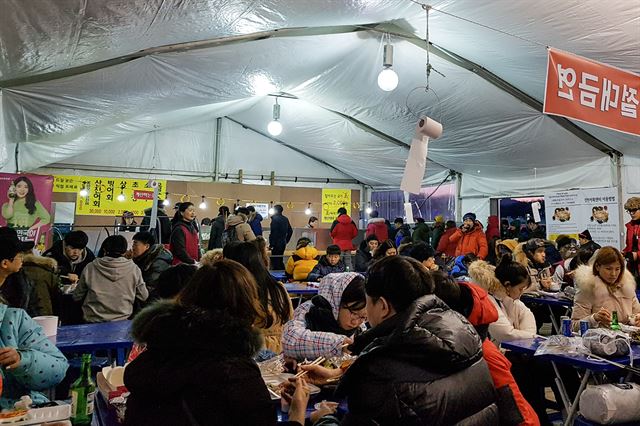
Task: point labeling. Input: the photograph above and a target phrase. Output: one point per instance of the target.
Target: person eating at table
(326, 324)
(603, 288)
(72, 255)
(364, 255)
(420, 363)
(197, 368)
(30, 362)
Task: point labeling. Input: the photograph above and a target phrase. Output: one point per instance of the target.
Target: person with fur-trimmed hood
(470, 238)
(605, 287)
(330, 263)
(532, 255)
(46, 283)
(238, 221)
(377, 226)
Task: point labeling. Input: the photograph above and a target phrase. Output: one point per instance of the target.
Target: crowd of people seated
(421, 315)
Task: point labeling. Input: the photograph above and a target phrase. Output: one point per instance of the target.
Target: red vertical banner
(26, 205)
(594, 93)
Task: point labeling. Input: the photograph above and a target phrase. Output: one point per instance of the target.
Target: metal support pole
(216, 149)
(616, 172)
(458, 197)
(273, 178)
(154, 210)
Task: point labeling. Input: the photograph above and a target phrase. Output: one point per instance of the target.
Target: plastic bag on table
(606, 343)
(562, 345)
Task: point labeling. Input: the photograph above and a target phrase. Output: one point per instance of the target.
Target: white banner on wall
(571, 212)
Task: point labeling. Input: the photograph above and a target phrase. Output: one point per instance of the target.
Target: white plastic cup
(49, 324)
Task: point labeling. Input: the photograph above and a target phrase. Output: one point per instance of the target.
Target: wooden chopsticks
(317, 361)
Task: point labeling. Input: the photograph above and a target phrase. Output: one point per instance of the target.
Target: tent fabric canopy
(82, 82)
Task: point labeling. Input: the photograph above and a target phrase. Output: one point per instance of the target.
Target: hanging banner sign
(332, 200)
(592, 92)
(571, 212)
(26, 206)
(103, 192)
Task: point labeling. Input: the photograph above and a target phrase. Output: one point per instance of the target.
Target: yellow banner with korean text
(332, 200)
(109, 196)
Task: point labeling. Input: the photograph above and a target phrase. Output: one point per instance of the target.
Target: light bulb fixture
(121, 197)
(203, 203)
(307, 211)
(387, 79)
(272, 211)
(275, 127)
(368, 210)
(84, 191)
(166, 201)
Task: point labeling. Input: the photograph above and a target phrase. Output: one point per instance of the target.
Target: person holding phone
(22, 210)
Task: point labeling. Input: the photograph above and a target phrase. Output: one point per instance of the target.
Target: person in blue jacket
(255, 220)
(30, 361)
(330, 263)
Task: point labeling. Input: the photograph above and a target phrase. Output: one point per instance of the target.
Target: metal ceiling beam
(298, 150)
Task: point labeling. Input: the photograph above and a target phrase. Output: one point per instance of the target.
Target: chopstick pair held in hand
(317, 361)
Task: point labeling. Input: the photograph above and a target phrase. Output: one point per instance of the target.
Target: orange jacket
(473, 241)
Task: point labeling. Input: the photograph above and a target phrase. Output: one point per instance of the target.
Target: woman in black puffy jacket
(420, 364)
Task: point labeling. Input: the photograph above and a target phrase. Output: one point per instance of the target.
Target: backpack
(229, 235)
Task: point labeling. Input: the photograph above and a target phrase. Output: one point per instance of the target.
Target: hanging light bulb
(368, 210)
(307, 211)
(84, 191)
(203, 203)
(121, 197)
(387, 79)
(272, 211)
(166, 201)
(275, 127)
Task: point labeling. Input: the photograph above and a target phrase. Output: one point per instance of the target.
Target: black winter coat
(217, 229)
(421, 367)
(197, 363)
(163, 235)
(280, 230)
(18, 291)
(363, 257)
(154, 262)
(323, 268)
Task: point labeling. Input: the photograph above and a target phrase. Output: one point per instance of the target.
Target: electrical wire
(428, 7)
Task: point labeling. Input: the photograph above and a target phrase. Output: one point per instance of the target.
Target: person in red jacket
(470, 238)
(344, 230)
(473, 302)
(493, 228)
(632, 248)
(445, 246)
(377, 227)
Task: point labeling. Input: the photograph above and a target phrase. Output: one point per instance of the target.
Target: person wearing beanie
(110, 286)
(330, 263)
(587, 242)
(377, 226)
(72, 256)
(469, 238)
(567, 246)
(425, 254)
(364, 255)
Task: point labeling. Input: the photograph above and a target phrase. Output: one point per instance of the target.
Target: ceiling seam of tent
(309, 31)
(499, 83)
(299, 151)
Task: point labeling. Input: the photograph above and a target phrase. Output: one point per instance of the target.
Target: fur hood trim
(41, 261)
(167, 325)
(586, 281)
(484, 274)
(376, 220)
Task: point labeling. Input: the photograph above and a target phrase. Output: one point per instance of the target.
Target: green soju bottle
(614, 321)
(82, 392)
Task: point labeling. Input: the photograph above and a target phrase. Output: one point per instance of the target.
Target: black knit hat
(333, 249)
(586, 235)
(76, 239)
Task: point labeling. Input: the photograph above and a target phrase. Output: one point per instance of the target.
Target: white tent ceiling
(86, 81)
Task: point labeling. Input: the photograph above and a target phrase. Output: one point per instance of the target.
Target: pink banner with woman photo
(26, 205)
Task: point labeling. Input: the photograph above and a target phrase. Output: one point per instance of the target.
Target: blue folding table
(549, 302)
(94, 337)
(590, 365)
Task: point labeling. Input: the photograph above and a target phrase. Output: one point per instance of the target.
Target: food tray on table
(273, 381)
(36, 416)
(632, 331)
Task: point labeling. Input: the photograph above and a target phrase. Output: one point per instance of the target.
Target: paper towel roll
(428, 127)
(49, 324)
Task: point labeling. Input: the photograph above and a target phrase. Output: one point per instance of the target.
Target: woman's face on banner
(22, 189)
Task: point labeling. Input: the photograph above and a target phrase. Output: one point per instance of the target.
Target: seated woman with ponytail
(506, 283)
